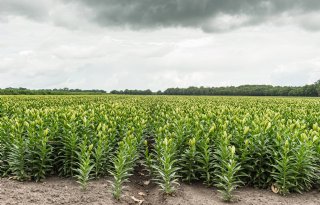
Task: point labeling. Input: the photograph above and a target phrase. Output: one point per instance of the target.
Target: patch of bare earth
(66, 191)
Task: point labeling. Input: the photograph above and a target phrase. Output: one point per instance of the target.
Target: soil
(56, 190)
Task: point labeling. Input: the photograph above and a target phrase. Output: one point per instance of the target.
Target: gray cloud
(86, 44)
(35, 9)
(210, 15)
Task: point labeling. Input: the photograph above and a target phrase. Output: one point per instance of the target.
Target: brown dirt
(66, 191)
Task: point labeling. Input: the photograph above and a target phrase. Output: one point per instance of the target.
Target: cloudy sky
(156, 44)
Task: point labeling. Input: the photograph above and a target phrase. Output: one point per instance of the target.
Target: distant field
(223, 142)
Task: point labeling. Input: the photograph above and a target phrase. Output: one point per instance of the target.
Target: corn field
(223, 142)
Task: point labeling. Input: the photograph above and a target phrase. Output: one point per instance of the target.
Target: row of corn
(224, 142)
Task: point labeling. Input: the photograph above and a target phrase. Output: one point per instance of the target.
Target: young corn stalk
(101, 153)
(227, 169)
(17, 159)
(246, 161)
(5, 146)
(189, 161)
(296, 165)
(85, 165)
(2, 159)
(305, 165)
(315, 132)
(284, 172)
(124, 162)
(165, 166)
(68, 154)
(42, 153)
(205, 167)
(262, 155)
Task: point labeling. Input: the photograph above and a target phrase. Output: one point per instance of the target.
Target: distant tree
(317, 87)
(65, 91)
(310, 90)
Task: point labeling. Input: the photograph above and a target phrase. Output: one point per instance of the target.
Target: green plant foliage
(101, 152)
(227, 169)
(124, 162)
(224, 142)
(284, 173)
(165, 166)
(17, 159)
(85, 165)
(305, 164)
(189, 160)
(42, 152)
(205, 160)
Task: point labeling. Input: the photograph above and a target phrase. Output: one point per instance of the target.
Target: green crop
(224, 142)
(124, 163)
(85, 165)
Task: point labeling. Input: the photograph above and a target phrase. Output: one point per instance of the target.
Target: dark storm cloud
(142, 14)
(209, 15)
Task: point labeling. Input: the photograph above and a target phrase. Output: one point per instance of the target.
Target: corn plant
(284, 172)
(205, 160)
(165, 166)
(17, 159)
(271, 142)
(42, 152)
(85, 165)
(189, 160)
(305, 165)
(5, 146)
(123, 162)
(227, 169)
(262, 155)
(295, 168)
(101, 153)
(68, 153)
(246, 161)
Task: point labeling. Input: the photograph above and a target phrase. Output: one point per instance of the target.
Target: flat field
(159, 150)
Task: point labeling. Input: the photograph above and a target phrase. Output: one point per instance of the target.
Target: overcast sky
(156, 44)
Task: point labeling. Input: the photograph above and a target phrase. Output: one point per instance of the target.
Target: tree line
(312, 90)
(62, 91)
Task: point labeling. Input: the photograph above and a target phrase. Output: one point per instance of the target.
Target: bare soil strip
(66, 191)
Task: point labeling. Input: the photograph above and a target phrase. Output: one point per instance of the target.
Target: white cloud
(226, 22)
(301, 72)
(67, 50)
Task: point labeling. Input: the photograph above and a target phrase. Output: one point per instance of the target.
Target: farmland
(221, 142)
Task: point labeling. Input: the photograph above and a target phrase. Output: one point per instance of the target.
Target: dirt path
(67, 191)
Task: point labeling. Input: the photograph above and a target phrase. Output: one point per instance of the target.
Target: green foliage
(284, 172)
(124, 162)
(295, 168)
(85, 165)
(270, 142)
(227, 169)
(205, 159)
(42, 153)
(17, 159)
(165, 166)
(5, 147)
(189, 161)
(100, 154)
(242, 90)
(68, 153)
(305, 165)
(262, 160)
